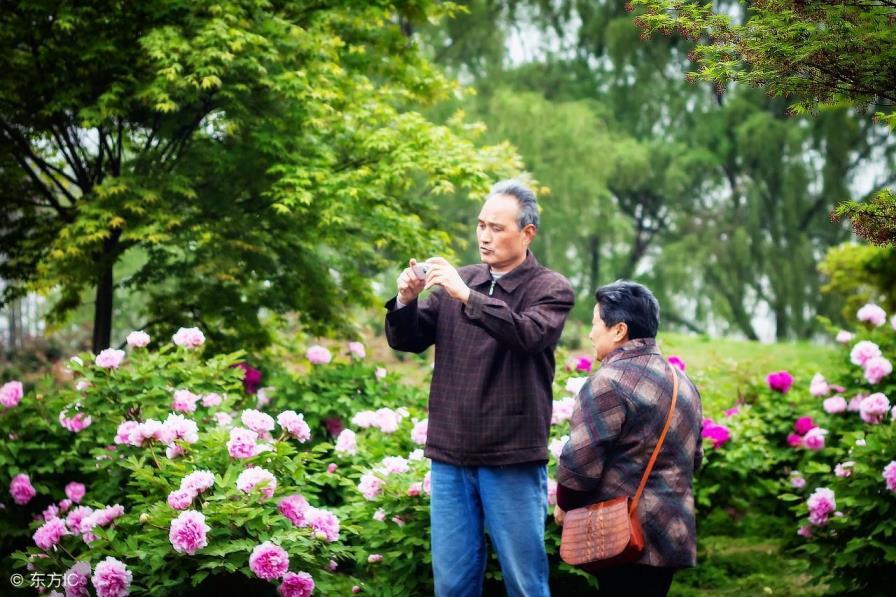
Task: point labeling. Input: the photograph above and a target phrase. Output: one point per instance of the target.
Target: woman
(618, 418)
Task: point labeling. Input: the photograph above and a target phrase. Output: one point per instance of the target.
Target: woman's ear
(621, 334)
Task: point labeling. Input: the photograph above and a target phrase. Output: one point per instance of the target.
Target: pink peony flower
(222, 419)
(51, 511)
(418, 433)
(188, 532)
(331, 468)
(346, 443)
(64, 505)
(110, 358)
(21, 489)
(394, 464)
(821, 504)
(296, 585)
(797, 481)
(398, 520)
(583, 364)
(50, 533)
(76, 580)
(268, 561)
(834, 405)
(889, 473)
(805, 531)
(76, 517)
(803, 425)
(552, 492)
(294, 424)
(387, 420)
(414, 489)
(732, 411)
(370, 486)
(210, 400)
(379, 515)
(293, 507)
(257, 476)
(844, 337)
(874, 408)
(323, 523)
(178, 427)
(877, 368)
(357, 350)
(374, 558)
(893, 322)
(794, 440)
(184, 401)
(814, 439)
(780, 381)
(718, 434)
(126, 429)
(111, 578)
(427, 483)
(855, 403)
(75, 491)
(819, 386)
(844, 469)
(677, 362)
(76, 423)
(318, 355)
(180, 499)
(562, 410)
(242, 443)
(189, 338)
(863, 351)
(257, 421)
(574, 385)
(11, 394)
(198, 481)
(872, 314)
(380, 373)
(138, 339)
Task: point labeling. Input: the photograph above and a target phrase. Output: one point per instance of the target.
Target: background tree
(820, 54)
(250, 154)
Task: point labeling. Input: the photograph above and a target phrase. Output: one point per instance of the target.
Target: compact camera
(421, 269)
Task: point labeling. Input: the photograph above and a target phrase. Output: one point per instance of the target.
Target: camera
(421, 269)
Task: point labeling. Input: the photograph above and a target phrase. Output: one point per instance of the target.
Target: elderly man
(495, 326)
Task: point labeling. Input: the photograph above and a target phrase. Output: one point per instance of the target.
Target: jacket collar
(631, 349)
(512, 279)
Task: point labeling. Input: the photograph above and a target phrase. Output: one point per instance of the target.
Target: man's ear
(529, 232)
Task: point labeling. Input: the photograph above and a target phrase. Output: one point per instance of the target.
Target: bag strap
(656, 450)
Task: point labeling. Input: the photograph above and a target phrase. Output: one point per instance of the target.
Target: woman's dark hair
(632, 304)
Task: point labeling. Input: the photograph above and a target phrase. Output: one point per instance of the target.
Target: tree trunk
(14, 326)
(594, 246)
(102, 313)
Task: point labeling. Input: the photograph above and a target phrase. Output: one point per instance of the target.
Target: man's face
(502, 245)
(606, 339)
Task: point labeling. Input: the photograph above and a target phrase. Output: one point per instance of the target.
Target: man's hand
(559, 515)
(409, 285)
(444, 274)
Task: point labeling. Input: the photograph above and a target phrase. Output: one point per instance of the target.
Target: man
(495, 327)
(616, 423)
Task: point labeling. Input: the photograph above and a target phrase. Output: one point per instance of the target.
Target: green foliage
(861, 274)
(259, 155)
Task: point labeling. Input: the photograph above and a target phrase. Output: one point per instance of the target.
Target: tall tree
(818, 53)
(259, 154)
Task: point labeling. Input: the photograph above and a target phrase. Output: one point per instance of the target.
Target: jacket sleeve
(412, 328)
(597, 419)
(532, 330)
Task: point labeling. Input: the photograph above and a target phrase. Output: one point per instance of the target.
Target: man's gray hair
(526, 197)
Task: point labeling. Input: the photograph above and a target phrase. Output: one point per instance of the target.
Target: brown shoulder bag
(608, 533)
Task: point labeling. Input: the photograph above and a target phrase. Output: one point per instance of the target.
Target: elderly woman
(618, 418)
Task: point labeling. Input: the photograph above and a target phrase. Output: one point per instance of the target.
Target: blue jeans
(510, 502)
